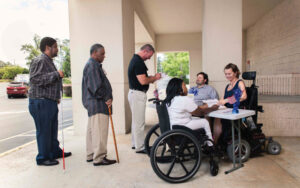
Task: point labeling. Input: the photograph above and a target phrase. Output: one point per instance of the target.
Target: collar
(46, 56)
(96, 62)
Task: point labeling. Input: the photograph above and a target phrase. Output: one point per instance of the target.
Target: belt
(145, 91)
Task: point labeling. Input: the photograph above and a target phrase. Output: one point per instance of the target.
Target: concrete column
(110, 23)
(222, 39)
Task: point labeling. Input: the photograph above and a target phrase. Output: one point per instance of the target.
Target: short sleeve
(140, 68)
(214, 94)
(189, 104)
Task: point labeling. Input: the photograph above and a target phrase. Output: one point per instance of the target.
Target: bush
(10, 72)
(67, 80)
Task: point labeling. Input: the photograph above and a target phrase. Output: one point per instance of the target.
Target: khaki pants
(96, 137)
(137, 101)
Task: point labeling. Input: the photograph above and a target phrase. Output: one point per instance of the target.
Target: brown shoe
(105, 162)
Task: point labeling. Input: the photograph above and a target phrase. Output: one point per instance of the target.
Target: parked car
(17, 89)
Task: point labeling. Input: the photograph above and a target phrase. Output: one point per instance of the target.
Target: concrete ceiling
(185, 16)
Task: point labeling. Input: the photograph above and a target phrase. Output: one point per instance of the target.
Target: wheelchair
(253, 140)
(176, 154)
(251, 130)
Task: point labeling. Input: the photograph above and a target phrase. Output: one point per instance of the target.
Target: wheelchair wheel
(176, 156)
(150, 138)
(245, 151)
(273, 148)
(214, 168)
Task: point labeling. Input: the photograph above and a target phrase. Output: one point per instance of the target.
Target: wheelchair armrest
(260, 108)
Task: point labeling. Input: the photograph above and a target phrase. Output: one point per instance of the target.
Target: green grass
(5, 80)
(66, 97)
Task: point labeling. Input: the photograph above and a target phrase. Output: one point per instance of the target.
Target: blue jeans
(45, 115)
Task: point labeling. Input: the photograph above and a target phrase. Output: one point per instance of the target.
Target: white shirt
(180, 110)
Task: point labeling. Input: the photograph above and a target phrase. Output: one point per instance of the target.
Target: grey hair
(95, 47)
(148, 47)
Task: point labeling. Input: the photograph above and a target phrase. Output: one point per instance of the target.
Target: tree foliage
(10, 72)
(32, 51)
(3, 64)
(63, 59)
(176, 65)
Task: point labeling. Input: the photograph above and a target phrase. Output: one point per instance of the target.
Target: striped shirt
(96, 89)
(45, 81)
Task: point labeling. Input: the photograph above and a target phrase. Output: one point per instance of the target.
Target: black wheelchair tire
(214, 168)
(273, 148)
(246, 151)
(158, 142)
(152, 131)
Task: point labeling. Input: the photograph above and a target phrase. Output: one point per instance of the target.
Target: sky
(21, 19)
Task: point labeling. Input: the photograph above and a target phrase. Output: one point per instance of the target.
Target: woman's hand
(231, 100)
(222, 102)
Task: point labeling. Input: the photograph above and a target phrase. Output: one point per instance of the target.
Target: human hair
(234, 68)
(148, 47)
(46, 41)
(95, 47)
(174, 89)
(205, 76)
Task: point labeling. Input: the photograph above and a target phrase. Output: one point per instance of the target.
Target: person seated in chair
(181, 108)
(203, 91)
(232, 74)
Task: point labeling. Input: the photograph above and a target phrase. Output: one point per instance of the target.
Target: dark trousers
(45, 115)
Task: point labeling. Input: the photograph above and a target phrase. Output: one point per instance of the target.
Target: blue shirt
(204, 93)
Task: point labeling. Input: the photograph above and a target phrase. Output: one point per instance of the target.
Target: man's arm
(144, 80)
(39, 78)
(214, 94)
(94, 82)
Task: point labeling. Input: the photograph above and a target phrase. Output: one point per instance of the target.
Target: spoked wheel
(150, 138)
(245, 151)
(176, 156)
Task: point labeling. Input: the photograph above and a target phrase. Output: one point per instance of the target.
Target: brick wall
(273, 43)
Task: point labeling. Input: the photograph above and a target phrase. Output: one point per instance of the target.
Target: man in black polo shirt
(138, 86)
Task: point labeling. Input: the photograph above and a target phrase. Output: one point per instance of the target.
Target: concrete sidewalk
(18, 169)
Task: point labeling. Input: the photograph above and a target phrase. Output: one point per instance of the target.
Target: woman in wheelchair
(181, 108)
(232, 74)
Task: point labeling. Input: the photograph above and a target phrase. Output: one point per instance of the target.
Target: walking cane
(62, 129)
(113, 131)
(62, 122)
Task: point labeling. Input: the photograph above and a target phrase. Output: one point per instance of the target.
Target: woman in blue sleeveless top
(232, 74)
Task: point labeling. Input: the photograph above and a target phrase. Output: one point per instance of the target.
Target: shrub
(9, 72)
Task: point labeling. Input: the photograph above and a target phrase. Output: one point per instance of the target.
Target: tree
(61, 62)
(10, 72)
(32, 50)
(65, 57)
(176, 65)
(3, 64)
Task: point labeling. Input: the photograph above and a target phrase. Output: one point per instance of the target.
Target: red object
(16, 89)
(63, 154)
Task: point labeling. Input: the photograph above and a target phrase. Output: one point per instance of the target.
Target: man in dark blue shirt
(138, 86)
(96, 98)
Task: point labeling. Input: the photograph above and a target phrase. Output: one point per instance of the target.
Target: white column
(110, 23)
(222, 39)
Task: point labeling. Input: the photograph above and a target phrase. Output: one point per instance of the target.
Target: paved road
(16, 124)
